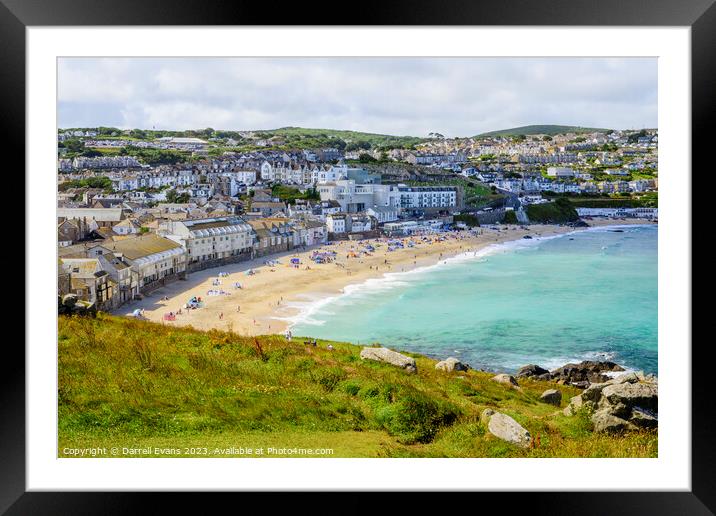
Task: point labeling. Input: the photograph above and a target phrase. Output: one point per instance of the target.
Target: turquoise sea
(585, 295)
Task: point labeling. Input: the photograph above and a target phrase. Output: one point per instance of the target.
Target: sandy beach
(269, 295)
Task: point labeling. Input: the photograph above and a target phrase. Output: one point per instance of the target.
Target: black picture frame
(16, 15)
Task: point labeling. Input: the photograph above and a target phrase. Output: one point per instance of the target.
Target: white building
(384, 214)
(560, 172)
(427, 197)
(336, 223)
(211, 238)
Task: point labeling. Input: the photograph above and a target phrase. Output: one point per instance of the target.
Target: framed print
(423, 253)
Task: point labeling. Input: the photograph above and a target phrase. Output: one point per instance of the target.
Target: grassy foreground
(131, 388)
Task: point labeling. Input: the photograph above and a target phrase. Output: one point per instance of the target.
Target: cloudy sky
(401, 96)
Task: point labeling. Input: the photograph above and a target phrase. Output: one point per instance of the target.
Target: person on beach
(221, 315)
(238, 308)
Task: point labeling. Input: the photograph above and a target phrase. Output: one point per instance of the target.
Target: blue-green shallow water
(587, 295)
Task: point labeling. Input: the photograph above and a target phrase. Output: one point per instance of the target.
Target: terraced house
(213, 241)
(154, 260)
(273, 235)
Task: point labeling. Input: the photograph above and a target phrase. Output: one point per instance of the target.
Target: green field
(131, 384)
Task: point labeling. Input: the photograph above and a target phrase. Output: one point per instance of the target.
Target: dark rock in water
(584, 373)
(527, 237)
(534, 371)
(617, 230)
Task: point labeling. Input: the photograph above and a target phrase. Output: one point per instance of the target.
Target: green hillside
(549, 130)
(297, 134)
(129, 383)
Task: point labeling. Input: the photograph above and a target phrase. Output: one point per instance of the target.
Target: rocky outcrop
(389, 356)
(504, 427)
(580, 375)
(584, 373)
(506, 379)
(533, 371)
(620, 404)
(552, 396)
(606, 422)
(451, 364)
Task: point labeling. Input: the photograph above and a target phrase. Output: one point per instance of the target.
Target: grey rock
(605, 422)
(644, 418)
(532, 370)
(451, 364)
(593, 392)
(619, 410)
(506, 379)
(552, 396)
(643, 395)
(389, 356)
(504, 427)
(584, 373)
(625, 378)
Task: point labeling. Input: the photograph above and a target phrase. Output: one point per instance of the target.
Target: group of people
(219, 292)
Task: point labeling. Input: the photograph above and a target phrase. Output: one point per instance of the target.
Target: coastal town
(141, 212)
(357, 257)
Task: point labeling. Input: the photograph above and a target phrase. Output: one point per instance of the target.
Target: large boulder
(533, 370)
(552, 396)
(623, 403)
(389, 356)
(584, 373)
(451, 364)
(593, 392)
(643, 418)
(506, 379)
(643, 395)
(606, 422)
(504, 427)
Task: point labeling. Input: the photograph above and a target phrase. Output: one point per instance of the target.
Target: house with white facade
(384, 214)
(560, 172)
(211, 239)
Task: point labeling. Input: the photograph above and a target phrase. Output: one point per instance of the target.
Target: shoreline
(278, 296)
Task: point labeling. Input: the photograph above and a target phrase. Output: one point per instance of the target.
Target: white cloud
(455, 96)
